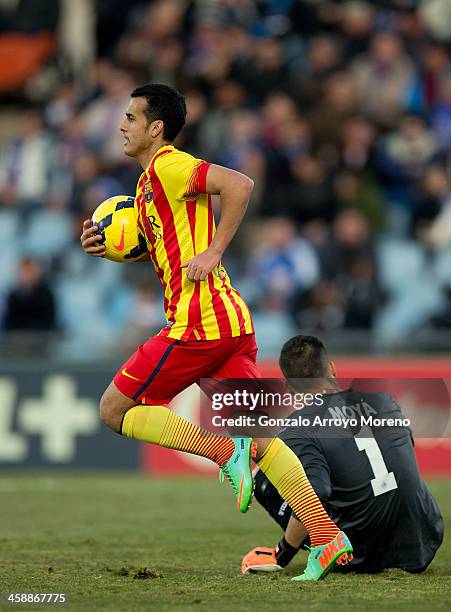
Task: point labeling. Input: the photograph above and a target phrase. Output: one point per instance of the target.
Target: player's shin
(286, 473)
(159, 425)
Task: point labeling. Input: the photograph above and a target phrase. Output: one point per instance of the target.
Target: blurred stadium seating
(330, 107)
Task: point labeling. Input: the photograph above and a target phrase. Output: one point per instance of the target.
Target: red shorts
(162, 367)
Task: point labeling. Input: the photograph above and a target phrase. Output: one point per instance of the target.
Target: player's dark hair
(166, 104)
(304, 357)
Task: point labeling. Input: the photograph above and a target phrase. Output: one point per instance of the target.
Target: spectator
(434, 65)
(382, 77)
(196, 106)
(357, 143)
(265, 72)
(244, 133)
(319, 309)
(349, 242)
(360, 191)
(30, 306)
(434, 194)
(362, 294)
(439, 234)
(443, 319)
(145, 319)
(91, 184)
(441, 113)
(282, 265)
(311, 195)
(227, 98)
(25, 166)
(435, 15)
(102, 117)
(324, 58)
(338, 105)
(357, 23)
(401, 159)
(278, 112)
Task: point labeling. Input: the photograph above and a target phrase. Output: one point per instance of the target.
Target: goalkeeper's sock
(286, 473)
(159, 425)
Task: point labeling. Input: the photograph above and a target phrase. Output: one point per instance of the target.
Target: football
(117, 222)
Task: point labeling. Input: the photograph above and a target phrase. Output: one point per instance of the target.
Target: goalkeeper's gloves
(265, 559)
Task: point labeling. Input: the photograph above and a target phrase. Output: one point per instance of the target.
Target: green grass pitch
(127, 542)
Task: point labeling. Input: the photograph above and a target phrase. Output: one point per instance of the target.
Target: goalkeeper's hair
(166, 104)
(304, 357)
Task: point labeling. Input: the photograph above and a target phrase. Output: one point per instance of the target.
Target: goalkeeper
(367, 480)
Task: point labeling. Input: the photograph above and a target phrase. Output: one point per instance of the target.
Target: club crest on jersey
(148, 192)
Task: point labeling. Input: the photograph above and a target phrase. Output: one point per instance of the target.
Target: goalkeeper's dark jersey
(368, 480)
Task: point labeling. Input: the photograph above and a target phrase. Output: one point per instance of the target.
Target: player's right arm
(234, 190)
(90, 241)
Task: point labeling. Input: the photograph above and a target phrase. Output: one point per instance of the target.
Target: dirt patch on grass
(142, 573)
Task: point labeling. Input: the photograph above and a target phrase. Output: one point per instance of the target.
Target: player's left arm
(234, 190)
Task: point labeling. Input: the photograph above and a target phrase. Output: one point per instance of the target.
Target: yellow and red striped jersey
(176, 217)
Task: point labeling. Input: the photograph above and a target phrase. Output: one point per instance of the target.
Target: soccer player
(367, 479)
(209, 331)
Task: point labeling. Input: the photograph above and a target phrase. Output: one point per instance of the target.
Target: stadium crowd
(339, 111)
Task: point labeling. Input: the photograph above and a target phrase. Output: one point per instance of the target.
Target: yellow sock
(142, 424)
(159, 425)
(286, 473)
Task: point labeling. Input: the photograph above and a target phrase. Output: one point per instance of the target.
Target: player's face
(135, 128)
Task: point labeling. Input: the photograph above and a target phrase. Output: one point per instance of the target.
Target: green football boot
(322, 559)
(238, 471)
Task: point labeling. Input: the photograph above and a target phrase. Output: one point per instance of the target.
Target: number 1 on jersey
(383, 480)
